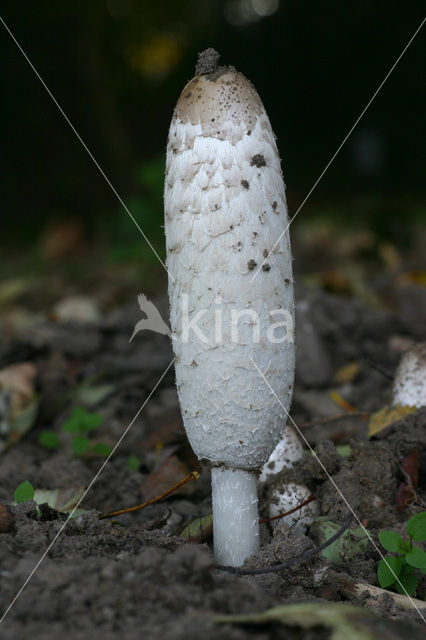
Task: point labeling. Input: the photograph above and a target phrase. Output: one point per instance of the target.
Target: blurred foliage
(117, 68)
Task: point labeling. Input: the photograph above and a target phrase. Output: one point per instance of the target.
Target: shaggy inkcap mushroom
(409, 388)
(225, 208)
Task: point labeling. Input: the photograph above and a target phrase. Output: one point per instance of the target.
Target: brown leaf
(19, 381)
(6, 519)
(168, 431)
(342, 403)
(410, 465)
(162, 479)
(198, 530)
(404, 496)
(61, 240)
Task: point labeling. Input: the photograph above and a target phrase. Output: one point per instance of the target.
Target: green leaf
(353, 541)
(406, 570)
(133, 462)
(72, 425)
(417, 558)
(81, 421)
(196, 528)
(24, 492)
(388, 570)
(92, 421)
(416, 527)
(80, 444)
(101, 449)
(344, 450)
(409, 583)
(48, 439)
(390, 540)
(406, 546)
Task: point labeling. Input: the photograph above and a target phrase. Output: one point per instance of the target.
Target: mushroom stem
(235, 515)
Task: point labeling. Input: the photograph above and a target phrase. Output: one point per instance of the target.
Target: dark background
(117, 67)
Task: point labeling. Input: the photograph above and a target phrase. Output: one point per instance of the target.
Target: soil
(134, 575)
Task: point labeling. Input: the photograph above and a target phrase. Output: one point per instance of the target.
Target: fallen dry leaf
(342, 403)
(199, 530)
(61, 240)
(387, 416)
(404, 496)
(162, 479)
(347, 373)
(410, 465)
(6, 519)
(19, 381)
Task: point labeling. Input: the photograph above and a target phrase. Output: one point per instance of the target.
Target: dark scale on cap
(258, 161)
(251, 264)
(266, 267)
(245, 184)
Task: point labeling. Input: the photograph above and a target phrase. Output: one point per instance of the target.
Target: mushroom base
(235, 515)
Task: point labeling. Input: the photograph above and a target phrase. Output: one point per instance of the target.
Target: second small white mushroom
(289, 495)
(287, 452)
(286, 498)
(409, 387)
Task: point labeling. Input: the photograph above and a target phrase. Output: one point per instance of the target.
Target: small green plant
(398, 570)
(79, 424)
(82, 421)
(48, 439)
(24, 492)
(133, 462)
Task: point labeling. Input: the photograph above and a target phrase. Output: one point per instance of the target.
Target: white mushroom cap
(225, 209)
(288, 451)
(409, 388)
(288, 497)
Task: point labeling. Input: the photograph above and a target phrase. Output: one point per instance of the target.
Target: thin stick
(355, 588)
(296, 560)
(194, 475)
(287, 513)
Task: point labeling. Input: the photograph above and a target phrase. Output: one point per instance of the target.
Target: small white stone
(77, 309)
(378, 502)
(288, 497)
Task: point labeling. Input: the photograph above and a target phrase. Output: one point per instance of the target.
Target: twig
(356, 588)
(296, 560)
(287, 513)
(363, 415)
(194, 475)
(376, 367)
